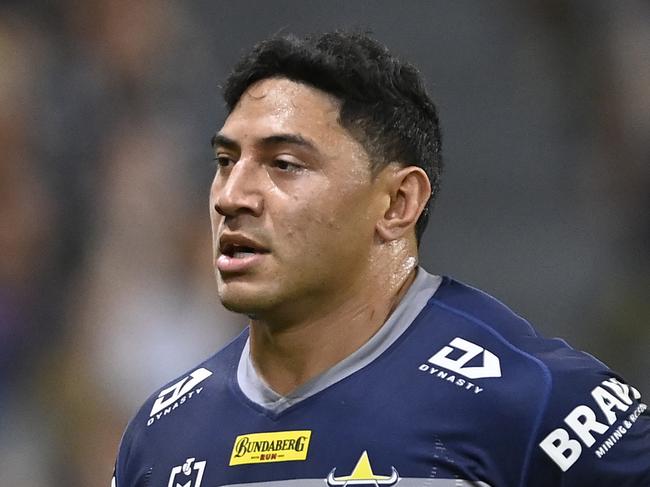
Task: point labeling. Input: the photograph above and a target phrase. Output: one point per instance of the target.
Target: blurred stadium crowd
(106, 109)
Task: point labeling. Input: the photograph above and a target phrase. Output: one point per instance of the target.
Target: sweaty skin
(336, 246)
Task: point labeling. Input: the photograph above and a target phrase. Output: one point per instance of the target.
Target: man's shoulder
(577, 409)
(479, 339)
(204, 379)
(164, 415)
(477, 317)
(482, 312)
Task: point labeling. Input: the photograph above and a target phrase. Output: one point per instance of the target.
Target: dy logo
(187, 475)
(489, 368)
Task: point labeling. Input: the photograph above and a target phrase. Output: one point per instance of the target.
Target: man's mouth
(238, 253)
(234, 243)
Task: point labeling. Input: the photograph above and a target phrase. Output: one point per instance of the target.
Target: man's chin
(250, 304)
(240, 307)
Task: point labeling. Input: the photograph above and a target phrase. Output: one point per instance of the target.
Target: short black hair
(384, 104)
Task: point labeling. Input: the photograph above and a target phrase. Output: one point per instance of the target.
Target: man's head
(384, 104)
(326, 164)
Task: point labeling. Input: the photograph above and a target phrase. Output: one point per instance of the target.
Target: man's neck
(287, 357)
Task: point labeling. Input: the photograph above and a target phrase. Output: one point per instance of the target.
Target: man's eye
(284, 165)
(223, 161)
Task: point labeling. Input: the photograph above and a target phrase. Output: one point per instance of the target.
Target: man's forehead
(283, 97)
(281, 106)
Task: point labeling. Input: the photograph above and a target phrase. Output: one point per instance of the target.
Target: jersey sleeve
(120, 477)
(132, 467)
(595, 432)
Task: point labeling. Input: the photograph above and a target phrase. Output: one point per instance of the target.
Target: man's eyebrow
(292, 139)
(220, 140)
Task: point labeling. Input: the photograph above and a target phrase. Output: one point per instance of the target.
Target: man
(359, 367)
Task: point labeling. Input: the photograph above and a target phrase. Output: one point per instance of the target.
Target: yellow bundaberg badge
(277, 446)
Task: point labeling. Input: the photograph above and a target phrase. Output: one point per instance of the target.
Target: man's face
(293, 204)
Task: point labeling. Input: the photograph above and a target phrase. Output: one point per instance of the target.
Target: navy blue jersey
(454, 390)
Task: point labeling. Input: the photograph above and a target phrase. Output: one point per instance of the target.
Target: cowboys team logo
(189, 474)
(362, 474)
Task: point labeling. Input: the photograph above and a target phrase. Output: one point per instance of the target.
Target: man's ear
(408, 190)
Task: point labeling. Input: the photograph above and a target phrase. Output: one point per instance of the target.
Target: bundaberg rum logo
(278, 446)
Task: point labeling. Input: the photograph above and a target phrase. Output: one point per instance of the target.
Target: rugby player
(359, 367)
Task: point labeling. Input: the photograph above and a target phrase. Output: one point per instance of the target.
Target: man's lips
(231, 243)
(238, 252)
(238, 263)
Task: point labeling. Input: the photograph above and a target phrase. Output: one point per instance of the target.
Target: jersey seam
(545, 370)
(241, 397)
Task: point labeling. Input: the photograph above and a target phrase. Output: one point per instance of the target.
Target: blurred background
(106, 112)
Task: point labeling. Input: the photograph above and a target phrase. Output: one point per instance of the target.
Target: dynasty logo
(177, 394)
(457, 359)
(278, 446)
(362, 474)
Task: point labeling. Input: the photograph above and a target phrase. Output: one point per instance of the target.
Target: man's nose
(239, 190)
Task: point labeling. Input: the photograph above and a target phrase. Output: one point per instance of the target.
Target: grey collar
(254, 387)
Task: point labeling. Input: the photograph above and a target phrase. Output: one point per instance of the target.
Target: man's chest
(334, 441)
